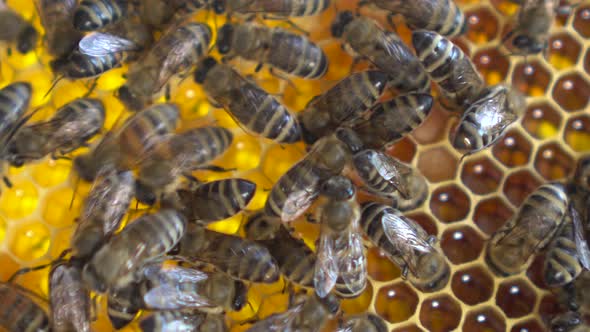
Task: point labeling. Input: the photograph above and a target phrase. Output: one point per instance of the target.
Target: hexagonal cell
(535, 271)
(482, 25)
(564, 51)
(432, 130)
(426, 222)
(29, 241)
(396, 303)
(481, 176)
(519, 185)
(486, 319)
(409, 328)
(549, 307)
(531, 78)
(449, 203)
(19, 201)
(279, 158)
(472, 285)
(513, 149)
(379, 267)
(577, 133)
(505, 7)
(441, 313)
(404, 150)
(243, 154)
(51, 172)
(461, 245)
(445, 167)
(462, 45)
(516, 298)
(582, 21)
(358, 304)
(491, 214)
(531, 325)
(587, 61)
(553, 163)
(572, 92)
(492, 65)
(541, 121)
(57, 211)
(9, 266)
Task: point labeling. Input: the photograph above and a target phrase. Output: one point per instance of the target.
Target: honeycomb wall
(469, 199)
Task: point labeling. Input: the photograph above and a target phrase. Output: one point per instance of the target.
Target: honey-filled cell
(440, 314)
(409, 328)
(549, 307)
(531, 325)
(472, 285)
(379, 267)
(20, 201)
(61, 207)
(482, 25)
(492, 65)
(553, 163)
(532, 79)
(564, 51)
(243, 154)
(506, 8)
(425, 221)
(582, 21)
(51, 172)
(571, 92)
(490, 214)
(513, 149)
(358, 304)
(449, 204)
(516, 298)
(396, 303)
(9, 266)
(29, 240)
(445, 167)
(433, 128)
(486, 319)
(481, 176)
(577, 133)
(404, 150)
(541, 120)
(587, 61)
(461, 245)
(535, 272)
(519, 185)
(279, 158)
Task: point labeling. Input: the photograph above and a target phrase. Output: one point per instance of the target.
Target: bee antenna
(250, 305)
(55, 81)
(74, 192)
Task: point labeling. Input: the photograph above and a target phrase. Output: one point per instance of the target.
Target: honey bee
(533, 22)
(69, 298)
(104, 209)
(279, 48)
(14, 102)
(511, 248)
(18, 312)
(306, 313)
(258, 111)
(177, 51)
(124, 304)
(159, 13)
(216, 200)
(70, 128)
(125, 146)
(344, 102)
(14, 29)
(340, 250)
(363, 323)
(442, 16)
(176, 155)
(149, 237)
(569, 322)
(92, 15)
(173, 321)
(282, 9)
(460, 83)
(485, 121)
(294, 258)
(56, 17)
(406, 244)
(240, 258)
(384, 49)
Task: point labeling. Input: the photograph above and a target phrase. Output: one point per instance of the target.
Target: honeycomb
(468, 199)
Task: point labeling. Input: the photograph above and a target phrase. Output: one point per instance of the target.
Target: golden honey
(468, 200)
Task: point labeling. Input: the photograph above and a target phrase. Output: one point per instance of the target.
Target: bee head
(218, 6)
(241, 295)
(341, 22)
(26, 40)
(224, 38)
(261, 227)
(338, 187)
(528, 44)
(201, 73)
(144, 194)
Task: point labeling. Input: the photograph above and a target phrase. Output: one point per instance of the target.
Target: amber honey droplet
(577, 133)
(492, 65)
(572, 92)
(440, 314)
(516, 298)
(379, 267)
(396, 303)
(482, 26)
(564, 51)
(409, 328)
(445, 167)
(513, 149)
(531, 325)
(472, 285)
(461, 245)
(541, 121)
(426, 222)
(553, 163)
(481, 176)
(491, 214)
(531, 79)
(404, 150)
(487, 319)
(519, 185)
(582, 21)
(449, 203)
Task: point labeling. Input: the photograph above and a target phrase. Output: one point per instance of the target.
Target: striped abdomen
(283, 8)
(14, 102)
(375, 170)
(79, 65)
(18, 313)
(204, 144)
(93, 15)
(296, 55)
(78, 122)
(371, 216)
(561, 261)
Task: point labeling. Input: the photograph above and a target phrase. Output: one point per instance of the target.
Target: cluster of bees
(186, 276)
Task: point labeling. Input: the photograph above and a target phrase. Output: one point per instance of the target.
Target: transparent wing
(581, 243)
(326, 268)
(406, 239)
(277, 322)
(492, 114)
(391, 171)
(100, 44)
(465, 74)
(352, 264)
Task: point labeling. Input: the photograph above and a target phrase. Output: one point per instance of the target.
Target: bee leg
(91, 88)
(217, 169)
(7, 181)
(227, 58)
(26, 270)
(284, 78)
(431, 240)
(287, 21)
(167, 93)
(258, 67)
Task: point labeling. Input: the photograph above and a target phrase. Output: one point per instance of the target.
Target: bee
(216, 200)
(240, 258)
(149, 237)
(70, 128)
(511, 248)
(282, 9)
(104, 209)
(92, 15)
(294, 258)
(20, 313)
(406, 244)
(533, 22)
(69, 298)
(61, 37)
(340, 250)
(173, 320)
(176, 155)
(14, 29)
(306, 313)
(569, 322)
(365, 38)
(124, 304)
(441, 16)
(485, 121)
(460, 83)
(177, 51)
(125, 146)
(363, 323)
(258, 111)
(159, 13)
(14, 102)
(344, 102)
(279, 48)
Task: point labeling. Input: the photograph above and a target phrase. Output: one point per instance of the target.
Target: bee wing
(390, 171)
(326, 268)
(277, 322)
(100, 44)
(405, 238)
(492, 114)
(352, 264)
(580, 239)
(465, 74)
